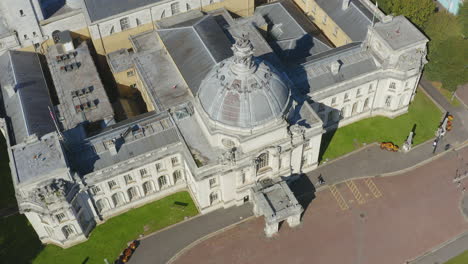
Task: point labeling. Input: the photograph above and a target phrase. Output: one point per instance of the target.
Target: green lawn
(422, 112)
(19, 243)
(18, 240)
(460, 259)
(109, 239)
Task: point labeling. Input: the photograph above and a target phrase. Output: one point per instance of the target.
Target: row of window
(133, 193)
(112, 184)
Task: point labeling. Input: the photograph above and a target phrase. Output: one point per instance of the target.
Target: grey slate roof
(298, 37)
(101, 9)
(354, 20)
(315, 74)
(25, 96)
(196, 48)
(133, 137)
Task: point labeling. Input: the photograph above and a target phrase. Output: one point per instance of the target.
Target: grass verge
(460, 259)
(447, 94)
(422, 112)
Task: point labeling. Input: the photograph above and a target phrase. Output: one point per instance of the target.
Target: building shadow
(304, 190)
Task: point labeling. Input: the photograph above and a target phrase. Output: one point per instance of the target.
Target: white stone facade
(64, 205)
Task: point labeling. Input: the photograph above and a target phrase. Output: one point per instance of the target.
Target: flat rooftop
(79, 88)
(38, 159)
(399, 32)
(158, 72)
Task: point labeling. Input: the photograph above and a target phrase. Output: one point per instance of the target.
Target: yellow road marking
(373, 188)
(338, 197)
(357, 194)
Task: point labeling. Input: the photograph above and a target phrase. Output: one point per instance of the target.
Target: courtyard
(370, 220)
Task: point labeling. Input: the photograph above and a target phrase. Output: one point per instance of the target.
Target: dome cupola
(242, 91)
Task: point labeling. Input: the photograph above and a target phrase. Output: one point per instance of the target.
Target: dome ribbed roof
(243, 92)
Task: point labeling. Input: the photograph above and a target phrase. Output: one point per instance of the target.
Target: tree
(463, 19)
(418, 11)
(441, 26)
(448, 62)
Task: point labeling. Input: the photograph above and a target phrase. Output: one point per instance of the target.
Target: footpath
(369, 161)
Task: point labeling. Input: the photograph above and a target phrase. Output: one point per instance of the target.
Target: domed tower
(243, 93)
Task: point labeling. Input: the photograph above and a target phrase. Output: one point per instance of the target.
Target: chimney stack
(335, 67)
(345, 4)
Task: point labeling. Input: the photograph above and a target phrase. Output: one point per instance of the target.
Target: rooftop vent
(335, 67)
(345, 4)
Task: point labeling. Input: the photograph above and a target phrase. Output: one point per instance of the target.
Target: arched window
(342, 112)
(55, 36)
(102, 205)
(177, 176)
(330, 118)
(68, 231)
(262, 161)
(355, 108)
(213, 198)
(133, 193)
(148, 187)
(162, 181)
(366, 104)
(118, 199)
(402, 101)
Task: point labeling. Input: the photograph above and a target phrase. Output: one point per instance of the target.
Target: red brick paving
(417, 211)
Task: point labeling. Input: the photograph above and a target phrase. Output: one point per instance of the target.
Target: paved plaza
(373, 220)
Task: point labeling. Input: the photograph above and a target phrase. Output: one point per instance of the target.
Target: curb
(397, 172)
(212, 234)
(348, 154)
(438, 247)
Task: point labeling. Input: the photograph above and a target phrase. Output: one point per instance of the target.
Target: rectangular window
(346, 96)
(392, 85)
(112, 30)
(335, 31)
(212, 182)
(21, 12)
(25, 36)
(321, 107)
(371, 88)
(124, 23)
(358, 93)
(324, 20)
(174, 161)
(159, 166)
(333, 101)
(143, 172)
(130, 73)
(128, 179)
(314, 9)
(175, 8)
(95, 190)
(60, 217)
(112, 184)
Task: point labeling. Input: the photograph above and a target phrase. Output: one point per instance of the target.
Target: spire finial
(243, 52)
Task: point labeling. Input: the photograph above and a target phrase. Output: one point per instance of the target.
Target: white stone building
(236, 101)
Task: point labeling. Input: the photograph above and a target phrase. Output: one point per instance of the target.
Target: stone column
(294, 220)
(271, 229)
